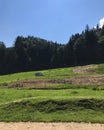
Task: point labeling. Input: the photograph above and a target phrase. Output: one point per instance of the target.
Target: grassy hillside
(48, 74)
(64, 94)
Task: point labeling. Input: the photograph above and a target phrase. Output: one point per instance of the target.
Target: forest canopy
(32, 53)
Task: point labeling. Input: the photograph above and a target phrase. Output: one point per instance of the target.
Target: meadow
(53, 97)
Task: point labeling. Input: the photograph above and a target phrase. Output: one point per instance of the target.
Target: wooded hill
(31, 53)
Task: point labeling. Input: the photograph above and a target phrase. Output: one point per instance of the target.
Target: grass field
(54, 102)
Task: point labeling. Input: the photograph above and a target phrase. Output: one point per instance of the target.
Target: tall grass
(87, 110)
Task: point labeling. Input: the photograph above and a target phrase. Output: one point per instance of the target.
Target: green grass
(48, 74)
(83, 110)
(57, 103)
(60, 73)
(100, 69)
(65, 105)
(8, 95)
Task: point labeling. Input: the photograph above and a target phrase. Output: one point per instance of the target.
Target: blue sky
(54, 20)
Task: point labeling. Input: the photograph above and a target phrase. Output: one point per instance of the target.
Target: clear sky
(54, 20)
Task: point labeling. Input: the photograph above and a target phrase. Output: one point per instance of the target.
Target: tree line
(32, 53)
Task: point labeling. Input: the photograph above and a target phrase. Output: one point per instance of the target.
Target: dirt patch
(82, 80)
(50, 126)
(85, 69)
(98, 80)
(32, 83)
(44, 83)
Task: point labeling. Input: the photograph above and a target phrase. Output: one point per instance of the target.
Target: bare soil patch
(83, 80)
(98, 80)
(85, 69)
(44, 83)
(32, 83)
(50, 126)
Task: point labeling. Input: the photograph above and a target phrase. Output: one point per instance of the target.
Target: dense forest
(31, 53)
